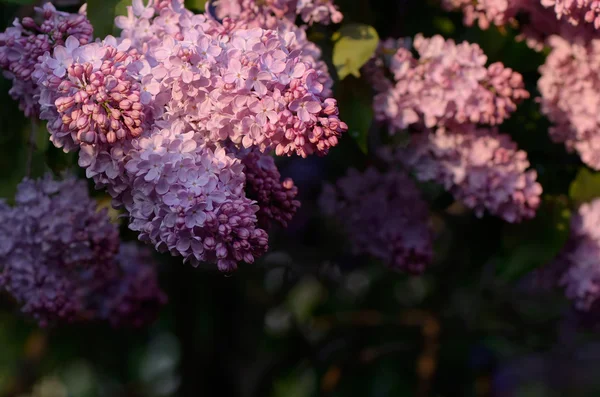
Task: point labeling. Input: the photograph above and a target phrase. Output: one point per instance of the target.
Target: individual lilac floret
(53, 240)
(276, 199)
(480, 167)
(383, 216)
(448, 83)
(132, 296)
(570, 97)
(579, 262)
(22, 44)
(89, 96)
(265, 14)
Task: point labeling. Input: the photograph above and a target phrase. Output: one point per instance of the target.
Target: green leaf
(197, 5)
(534, 243)
(354, 45)
(356, 109)
(102, 13)
(585, 187)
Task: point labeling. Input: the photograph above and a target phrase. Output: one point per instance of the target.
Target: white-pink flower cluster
(161, 115)
(383, 216)
(23, 43)
(480, 167)
(579, 262)
(447, 83)
(570, 96)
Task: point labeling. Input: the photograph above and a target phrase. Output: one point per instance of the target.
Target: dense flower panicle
(383, 216)
(22, 44)
(580, 259)
(62, 261)
(88, 95)
(188, 199)
(480, 167)
(153, 111)
(132, 296)
(275, 198)
(53, 240)
(448, 83)
(570, 98)
(266, 13)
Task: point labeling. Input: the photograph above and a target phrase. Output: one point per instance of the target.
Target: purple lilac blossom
(193, 86)
(275, 198)
(23, 43)
(479, 166)
(383, 216)
(60, 256)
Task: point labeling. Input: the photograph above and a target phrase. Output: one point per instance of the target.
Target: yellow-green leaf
(585, 187)
(354, 45)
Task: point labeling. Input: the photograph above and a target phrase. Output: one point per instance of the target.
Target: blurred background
(311, 320)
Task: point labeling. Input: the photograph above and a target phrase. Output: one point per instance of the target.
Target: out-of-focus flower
(383, 216)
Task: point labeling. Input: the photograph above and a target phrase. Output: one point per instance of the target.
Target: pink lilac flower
(578, 264)
(54, 239)
(193, 87)
(448, 83)
(535, 19)
(275, 198)
(480, 167)
(569, 96)
(22, 44)
(383, 216)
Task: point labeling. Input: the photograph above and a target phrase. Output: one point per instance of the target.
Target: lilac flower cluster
(383, 216)
(267, 13)
(573, 20)
(58, 251)
(275, 198)
(578, 263)
(569, 96)
(161, 115)
(22, 44)
(443, 96)
(449, 82)
(480, 167)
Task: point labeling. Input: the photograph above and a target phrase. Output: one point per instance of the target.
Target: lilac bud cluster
(22, 44)
(275, 198)
(57, 252)
(383, 216)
